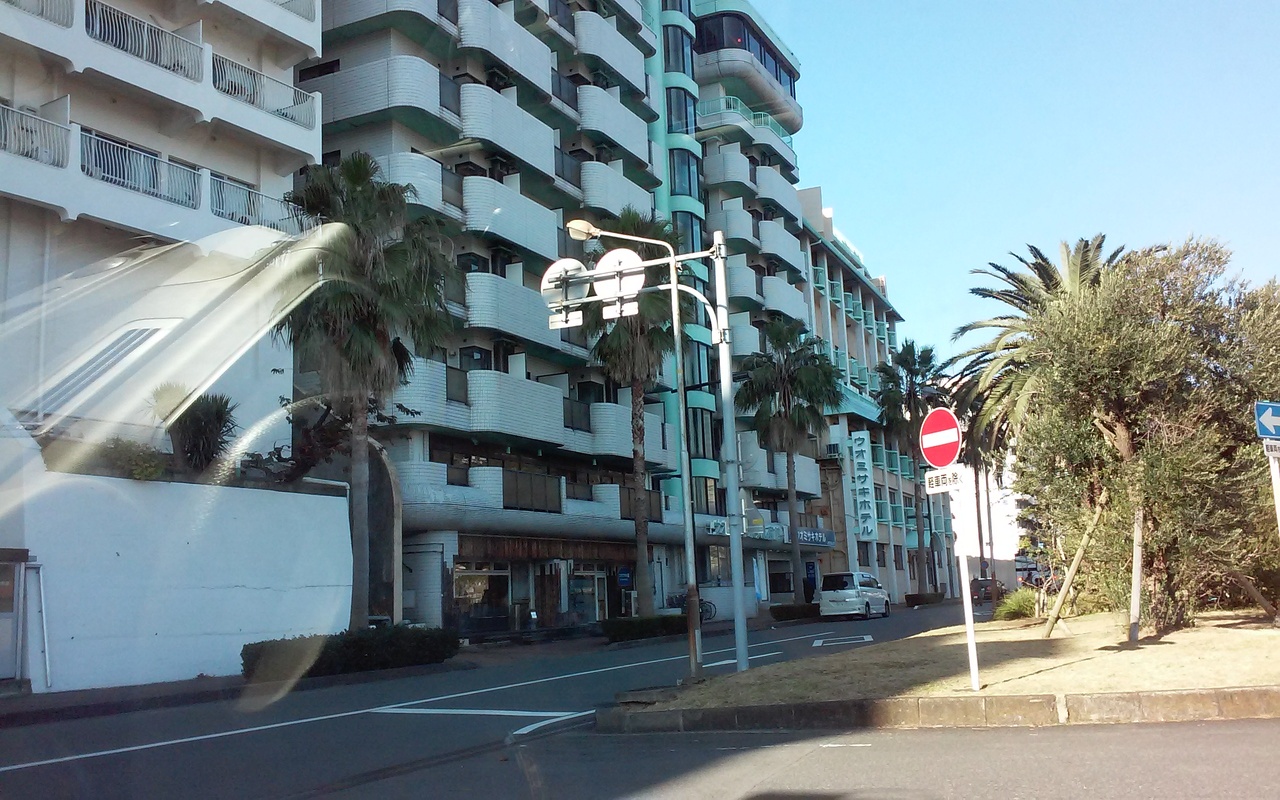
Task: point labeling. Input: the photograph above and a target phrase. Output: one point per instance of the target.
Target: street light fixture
(568, 273)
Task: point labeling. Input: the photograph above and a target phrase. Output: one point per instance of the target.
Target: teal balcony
(882, 512)
(891, 461)
(877, 455)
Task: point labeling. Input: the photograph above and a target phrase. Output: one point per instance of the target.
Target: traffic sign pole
(1275, 485)
(968, 625)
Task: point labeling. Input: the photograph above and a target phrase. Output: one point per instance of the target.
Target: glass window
(677, 50)
(707, 497)
(702, 435)
(837, 582)
(681, 111)
(688, 227)
(864, 554)
(882, 554)
(685, 174)
(677, 5)
(897, 556)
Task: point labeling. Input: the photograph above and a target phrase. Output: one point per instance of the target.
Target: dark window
(696, 371)
(332, 158)
(677, 50)
(837, 582)
(677, 5)
(474, 262)
(471, 358)
(882, 553)
(897, 556)
(324, 68)
(707, 498)
(702, 434)
(733, 32)
(685, 176)
(688, 227)
(864, 554)
(681, 111)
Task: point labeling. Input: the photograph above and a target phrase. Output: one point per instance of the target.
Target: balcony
(868, 319)
(497, 120)
(808, 475)
(247, 206)
(743, 282)
(607, 48)
(756, 127)
(738, 225)
(776, 241)
(577, 415)
(882, 331)
(745, 340)
(883, 515)
(891, 461)
(604, 114)
(906, 467)
(59, 12)
(500, 304)
(499, 210)
(484, 26)
(734, 66)
(877, 455)
(893, 338)
(758, 466)
(495, 396)
(264, 92)
(293, 26)
(531, 491)
(630, 500)
(781, 296)
(819, 279)
(143, 40)
(781, 192)
(607, 189)
(427, 177)
(898, 514)
(730, 172)
(404, 88)
(853, 308)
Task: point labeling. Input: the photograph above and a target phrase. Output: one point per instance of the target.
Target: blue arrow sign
(1267, 417)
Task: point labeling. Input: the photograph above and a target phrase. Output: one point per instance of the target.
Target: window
(681, 111)
(868, 581)
(707, 497)
(702, 439)
(734, 32)
(685, 176)
(715, 569)
(864, 554)
(897, 556)
(677, 50)
(836, 582)
(882, 554)
(696, 359)
(688, 227)
(474, 262)
(677, 5)
(324, 68)
(470, 358)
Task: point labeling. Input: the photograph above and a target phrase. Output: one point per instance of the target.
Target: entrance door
(9, 620)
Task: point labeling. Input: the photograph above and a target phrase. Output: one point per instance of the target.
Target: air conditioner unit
(497, 79)
(500, 167)
(601, 79)
(832, 451)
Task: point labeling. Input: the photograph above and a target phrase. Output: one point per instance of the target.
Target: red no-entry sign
(940, 438)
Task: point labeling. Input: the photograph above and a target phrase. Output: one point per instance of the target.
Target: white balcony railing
(143, 40)
(303, 8)
(32, 137)
(247, 206)
(138, 171)
(262, 91)
(59, 12)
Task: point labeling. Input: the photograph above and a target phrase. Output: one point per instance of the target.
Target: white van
(857, 593)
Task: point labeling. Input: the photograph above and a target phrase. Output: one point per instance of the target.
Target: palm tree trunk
(359, 513)
(793, 528)
(922, 546)
(644, 583)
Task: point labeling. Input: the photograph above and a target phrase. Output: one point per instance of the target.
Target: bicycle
(706, 608)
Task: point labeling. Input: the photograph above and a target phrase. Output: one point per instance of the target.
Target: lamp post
(582, 230)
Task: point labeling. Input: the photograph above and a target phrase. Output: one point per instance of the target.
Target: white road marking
(343, 714)
(839, 640)
(940, 437)
(734, 660)
(527, 729)
(843, 744)
(472, 712)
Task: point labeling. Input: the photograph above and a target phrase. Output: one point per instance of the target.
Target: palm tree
(390, 271)
(788, 388)
(630, 351)
(911, 383)
(999, 371)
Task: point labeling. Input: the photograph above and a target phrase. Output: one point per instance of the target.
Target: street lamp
(582, 230)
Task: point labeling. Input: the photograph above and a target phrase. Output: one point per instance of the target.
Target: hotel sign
(863, 486)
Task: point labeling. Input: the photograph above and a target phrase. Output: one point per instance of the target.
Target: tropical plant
(203, 432)
(912, 382)
(630, 351)
(789, 388)
(385, 278)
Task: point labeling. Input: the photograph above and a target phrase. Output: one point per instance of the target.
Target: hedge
(784, 611)
(351, 651)
(625, 629)
(926, 599)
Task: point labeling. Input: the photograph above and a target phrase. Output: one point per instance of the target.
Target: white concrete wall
(152, 581)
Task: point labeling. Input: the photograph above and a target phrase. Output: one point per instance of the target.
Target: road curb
(999, 711)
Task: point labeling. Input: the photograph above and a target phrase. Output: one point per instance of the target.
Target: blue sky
(946, 134)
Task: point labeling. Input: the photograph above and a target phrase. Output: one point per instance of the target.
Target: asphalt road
(385, 738)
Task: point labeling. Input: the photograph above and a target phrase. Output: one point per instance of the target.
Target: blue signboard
(624, 577)
(1267, 418)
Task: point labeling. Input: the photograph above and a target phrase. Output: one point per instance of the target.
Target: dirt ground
(1089, 654)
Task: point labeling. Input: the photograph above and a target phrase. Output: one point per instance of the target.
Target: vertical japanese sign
(863, 486)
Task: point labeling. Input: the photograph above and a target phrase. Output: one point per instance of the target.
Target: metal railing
(448, 9)
(577, 415)
(530, 491)
(568, 167)
(455, 386)
(628, 503)
(112, 162)
(34, 137)
(450, 94)
(263, 91)
(248, 206)
(59, 12)
(303, 8)
(735, 105)
(564, 89)
(143, 40)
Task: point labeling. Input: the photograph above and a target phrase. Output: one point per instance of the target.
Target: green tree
(385, 280)
(630, 351)
(788, 388)
(912, 382)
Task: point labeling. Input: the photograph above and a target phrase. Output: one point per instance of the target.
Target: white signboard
(863, 491)
(941, 481)
(1271, 447)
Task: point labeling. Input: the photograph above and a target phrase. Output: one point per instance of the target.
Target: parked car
(852, 593)
(980, 589)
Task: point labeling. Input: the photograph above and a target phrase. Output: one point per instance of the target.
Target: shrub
(1019, 605)
(626, 629)
(342, 653)
(139, 461)
(926, 599)
(204, 430)
(785, 611)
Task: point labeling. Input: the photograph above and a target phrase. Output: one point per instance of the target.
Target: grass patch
(1019, 605)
